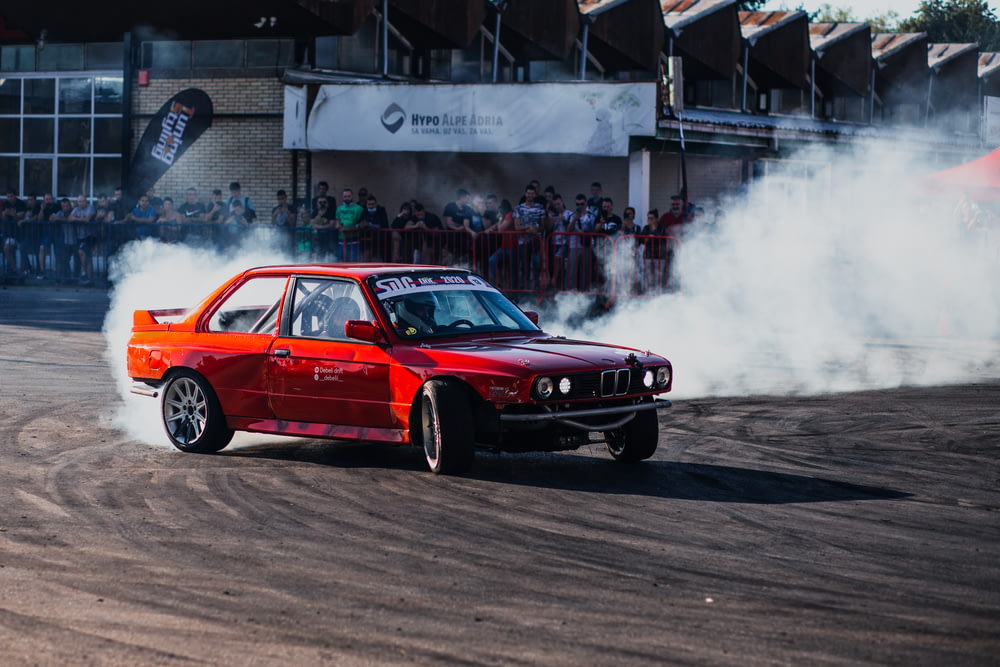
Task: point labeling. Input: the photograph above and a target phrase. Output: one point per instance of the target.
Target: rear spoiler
(156, 318)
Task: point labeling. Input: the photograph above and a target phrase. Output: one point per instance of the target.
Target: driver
(416, 312)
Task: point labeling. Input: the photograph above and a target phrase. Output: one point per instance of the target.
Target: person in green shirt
(348, 216)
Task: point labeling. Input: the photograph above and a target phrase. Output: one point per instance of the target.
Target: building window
(10, 96)
(270, 53)
(218, 54)
(19, 58)
(39, 96)
(60, 58)
(109, 55)
(61, 133)
(76, 95)
(166, 55)
(108, 94)
(360, 52)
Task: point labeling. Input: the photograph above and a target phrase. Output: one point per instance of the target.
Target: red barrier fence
(517, 262)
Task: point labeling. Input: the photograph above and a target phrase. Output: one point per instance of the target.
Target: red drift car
(428, 356)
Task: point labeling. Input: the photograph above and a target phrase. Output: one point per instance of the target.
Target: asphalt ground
(848, 529)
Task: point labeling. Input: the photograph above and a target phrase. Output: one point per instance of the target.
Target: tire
(445, 427)
(636, 440)
(192, 416)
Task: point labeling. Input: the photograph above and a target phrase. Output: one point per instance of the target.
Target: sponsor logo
(172, 133)
(389, 287)
(393, 118)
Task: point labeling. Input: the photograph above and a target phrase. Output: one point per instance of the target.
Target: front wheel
(192, 415)
(446, 428)
(636, 440)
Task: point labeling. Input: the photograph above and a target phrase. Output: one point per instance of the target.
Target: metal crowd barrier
(517, 262)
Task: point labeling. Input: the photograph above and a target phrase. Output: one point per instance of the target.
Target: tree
(886, 22)
(827, 13)
(956, 22)
(750, 5)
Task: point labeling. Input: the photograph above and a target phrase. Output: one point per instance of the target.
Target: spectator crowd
(542, 243)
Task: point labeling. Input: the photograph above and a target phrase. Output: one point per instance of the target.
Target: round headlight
(544, 387)
(662, 376)
(647, 378)
(564, 386)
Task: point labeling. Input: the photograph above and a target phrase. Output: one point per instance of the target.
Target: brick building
(75, 97)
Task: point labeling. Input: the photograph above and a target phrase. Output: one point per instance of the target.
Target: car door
(233, 345)
(318, 375)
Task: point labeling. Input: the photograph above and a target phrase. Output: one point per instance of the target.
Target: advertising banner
(172, 130)
(991, 118)
(579, 118)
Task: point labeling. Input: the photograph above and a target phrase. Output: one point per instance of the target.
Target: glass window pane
(218, 54)
(39, 135)
(38, 175)
(270, 53)
(105, 56)
(9, 178)
(39, 96)
(73, 176)
(10, 135)
(60, 57)
(107, 174)
(17, 58)
(107, 94)
(108, 135)
(74, 95)
(10, 96)
(166, 55)
(74, 135)
(327, 49)
(357, 52)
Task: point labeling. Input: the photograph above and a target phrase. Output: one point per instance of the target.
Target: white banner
(584, 118)
(991, 118)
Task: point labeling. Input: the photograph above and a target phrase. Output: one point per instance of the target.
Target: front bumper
(570, 417)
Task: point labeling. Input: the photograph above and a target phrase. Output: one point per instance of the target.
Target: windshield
(421, 305)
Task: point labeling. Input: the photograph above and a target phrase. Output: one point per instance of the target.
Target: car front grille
(603, 384)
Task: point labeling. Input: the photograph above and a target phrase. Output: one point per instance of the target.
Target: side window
(252, 308)
(321, 307)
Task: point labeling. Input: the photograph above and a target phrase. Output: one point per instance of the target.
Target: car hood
(532, 354)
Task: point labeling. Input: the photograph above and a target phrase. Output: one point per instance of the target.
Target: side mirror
(533, 316)
(364, 330)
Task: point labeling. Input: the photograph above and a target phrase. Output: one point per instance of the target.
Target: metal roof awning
(790, 127)
(844, 52)
(901, 59)
(540, 30)
(779, 48)
(438, 24)
(624, 34)
(707, 32)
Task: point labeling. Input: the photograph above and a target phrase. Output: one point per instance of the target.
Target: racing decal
(322, 374)
(387, 288)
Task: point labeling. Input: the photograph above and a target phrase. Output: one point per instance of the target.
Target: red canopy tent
(980, 179)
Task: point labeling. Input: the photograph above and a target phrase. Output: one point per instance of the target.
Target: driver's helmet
(416, 311)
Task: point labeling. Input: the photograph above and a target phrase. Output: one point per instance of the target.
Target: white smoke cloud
(858, 282)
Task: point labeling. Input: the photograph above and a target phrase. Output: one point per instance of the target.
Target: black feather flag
(173, 129)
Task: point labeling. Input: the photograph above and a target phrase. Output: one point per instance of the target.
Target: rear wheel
(192, 415)
(446, 428)
(636, 440)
